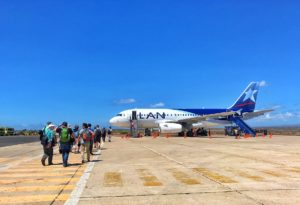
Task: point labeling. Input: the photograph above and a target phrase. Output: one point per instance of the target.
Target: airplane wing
(246, 116)
(250, 115)
(204, 117)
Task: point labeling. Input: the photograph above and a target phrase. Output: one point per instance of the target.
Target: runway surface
(15, 140)
(220, 170)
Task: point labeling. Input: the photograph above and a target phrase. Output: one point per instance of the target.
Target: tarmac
(175, 170)
(13, 140)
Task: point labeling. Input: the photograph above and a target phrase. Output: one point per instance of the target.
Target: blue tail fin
(246, 102)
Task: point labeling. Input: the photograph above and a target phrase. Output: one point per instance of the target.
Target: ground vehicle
(6, 131)
(262, 131)
(231, 130)
(2, 131)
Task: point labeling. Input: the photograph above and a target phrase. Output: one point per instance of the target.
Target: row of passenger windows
(171, 115)
(176, 115)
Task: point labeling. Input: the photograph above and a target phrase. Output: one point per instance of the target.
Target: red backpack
(86, 135)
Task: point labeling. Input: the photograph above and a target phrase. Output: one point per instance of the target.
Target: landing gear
(190, 133)
(201, 132)
(181, 134)
(148, 132)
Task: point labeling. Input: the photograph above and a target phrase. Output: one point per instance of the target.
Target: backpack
(103, 132)
(41, 134)
(43, 137)
(86, 135)
(98, 132)
(64, 135)
(76, 133)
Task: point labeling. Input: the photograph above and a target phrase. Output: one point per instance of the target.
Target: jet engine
(170, 128)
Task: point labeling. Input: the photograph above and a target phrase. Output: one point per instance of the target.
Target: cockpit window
(119, 114)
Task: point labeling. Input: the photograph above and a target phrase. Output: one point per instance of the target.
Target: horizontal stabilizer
(250, 115)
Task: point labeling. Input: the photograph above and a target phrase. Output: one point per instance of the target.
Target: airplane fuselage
(150, 118)
(177, 120)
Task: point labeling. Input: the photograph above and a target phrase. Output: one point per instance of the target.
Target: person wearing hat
(66, 140)
(48, 143)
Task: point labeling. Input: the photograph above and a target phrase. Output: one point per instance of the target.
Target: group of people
(77, 140)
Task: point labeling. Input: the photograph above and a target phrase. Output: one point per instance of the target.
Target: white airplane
(178, 120)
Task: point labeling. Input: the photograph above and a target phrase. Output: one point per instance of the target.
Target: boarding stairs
(243, 126)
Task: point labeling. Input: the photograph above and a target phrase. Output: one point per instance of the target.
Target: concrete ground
(220, 170)
(13, 140)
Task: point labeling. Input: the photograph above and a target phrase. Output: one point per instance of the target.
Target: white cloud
(262, 83)
(126, 101)
(276, 107)
(160, 104)
(284, 116)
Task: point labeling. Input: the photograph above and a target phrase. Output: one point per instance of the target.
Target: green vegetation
(27, 132)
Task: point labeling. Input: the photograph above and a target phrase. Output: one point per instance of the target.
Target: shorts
(98, 139)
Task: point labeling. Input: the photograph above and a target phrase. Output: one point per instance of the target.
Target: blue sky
(87, 60)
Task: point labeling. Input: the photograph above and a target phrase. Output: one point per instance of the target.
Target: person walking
(103, 134)
(66, 141)
(48, 144)
(77, 141)
(109, 133)
(97, 133)
(85, 139)
(42, 132)
(92, 140)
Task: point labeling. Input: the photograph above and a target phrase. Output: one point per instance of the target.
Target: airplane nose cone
(112, 121)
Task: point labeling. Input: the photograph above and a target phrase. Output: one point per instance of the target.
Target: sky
(85, 61)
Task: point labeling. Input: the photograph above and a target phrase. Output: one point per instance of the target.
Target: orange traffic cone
(154, 135)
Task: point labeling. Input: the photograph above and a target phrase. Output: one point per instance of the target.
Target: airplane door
(134, 124)
(134, 116)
